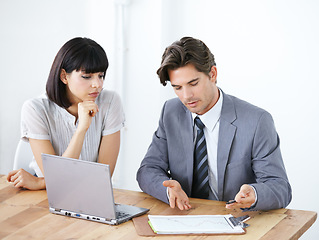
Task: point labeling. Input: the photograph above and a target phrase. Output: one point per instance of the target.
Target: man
(230, 152)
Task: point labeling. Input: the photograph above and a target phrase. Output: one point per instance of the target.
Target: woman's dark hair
(187, 50)
(77, 54)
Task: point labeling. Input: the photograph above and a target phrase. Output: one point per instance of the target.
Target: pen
(231, 201)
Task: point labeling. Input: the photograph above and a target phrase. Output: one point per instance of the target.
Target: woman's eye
(86, 77)
(101, 76)
(194, 84)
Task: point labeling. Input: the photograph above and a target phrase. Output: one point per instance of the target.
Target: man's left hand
(244, 198)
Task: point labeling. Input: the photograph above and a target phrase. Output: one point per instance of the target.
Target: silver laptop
(83, 189)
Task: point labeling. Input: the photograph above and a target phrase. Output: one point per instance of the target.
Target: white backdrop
(266, 53)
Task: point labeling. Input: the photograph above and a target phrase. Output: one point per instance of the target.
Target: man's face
(197, 91)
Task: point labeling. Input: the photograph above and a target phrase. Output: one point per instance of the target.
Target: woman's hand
(86, 110)
(23, 179)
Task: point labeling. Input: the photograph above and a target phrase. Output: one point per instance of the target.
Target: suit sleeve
(272, 186)
(154, 167)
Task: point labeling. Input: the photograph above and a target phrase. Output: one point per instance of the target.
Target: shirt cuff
(254, 204)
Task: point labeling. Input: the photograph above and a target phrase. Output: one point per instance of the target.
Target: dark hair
(77, 54)
(187, 50)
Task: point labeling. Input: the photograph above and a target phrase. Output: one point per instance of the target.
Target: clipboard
(143, 228)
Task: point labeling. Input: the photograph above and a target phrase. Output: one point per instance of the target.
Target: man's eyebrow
(194, 80)
(190, 82)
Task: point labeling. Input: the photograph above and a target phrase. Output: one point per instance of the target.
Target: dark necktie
(200, 187)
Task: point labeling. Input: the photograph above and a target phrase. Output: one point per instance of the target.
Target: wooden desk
(24, 214)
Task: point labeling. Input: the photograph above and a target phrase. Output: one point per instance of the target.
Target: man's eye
(194, 84)
(177, 88)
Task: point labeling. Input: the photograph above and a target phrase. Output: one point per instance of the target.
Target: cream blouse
(44, 120)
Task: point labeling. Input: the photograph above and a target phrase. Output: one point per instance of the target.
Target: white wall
(31, 33)
(266, 53)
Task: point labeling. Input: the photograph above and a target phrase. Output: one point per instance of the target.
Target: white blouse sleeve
(33, 123)
(114, 118)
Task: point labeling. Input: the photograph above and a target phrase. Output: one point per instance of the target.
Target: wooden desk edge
(306, 226)
(275, 234)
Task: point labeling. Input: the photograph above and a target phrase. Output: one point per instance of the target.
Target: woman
(75, 118)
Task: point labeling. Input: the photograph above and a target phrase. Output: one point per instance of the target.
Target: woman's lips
(94, 94)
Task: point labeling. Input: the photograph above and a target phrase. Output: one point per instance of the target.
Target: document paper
(187, 224)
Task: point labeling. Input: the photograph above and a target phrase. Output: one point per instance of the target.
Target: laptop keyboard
(122, 215)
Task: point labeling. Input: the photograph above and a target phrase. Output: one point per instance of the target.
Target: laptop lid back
(79, 186)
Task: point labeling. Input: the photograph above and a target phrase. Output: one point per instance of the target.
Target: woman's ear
(63, 76)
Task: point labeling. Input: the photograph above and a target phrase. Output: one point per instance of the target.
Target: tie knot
(199, 123)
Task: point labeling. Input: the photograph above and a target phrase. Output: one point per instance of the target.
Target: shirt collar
(211, 117)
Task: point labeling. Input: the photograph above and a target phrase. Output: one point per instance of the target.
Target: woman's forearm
(75, 146)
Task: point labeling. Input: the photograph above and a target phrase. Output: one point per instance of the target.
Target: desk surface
(25, 214)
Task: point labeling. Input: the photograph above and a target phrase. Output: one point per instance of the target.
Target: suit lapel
(226, 135)
(186, 132)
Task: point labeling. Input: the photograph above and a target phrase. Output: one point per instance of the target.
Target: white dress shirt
(211, 131)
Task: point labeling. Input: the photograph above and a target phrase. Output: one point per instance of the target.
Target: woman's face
(82, 86)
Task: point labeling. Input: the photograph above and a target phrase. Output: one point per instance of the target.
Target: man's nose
(187, 93)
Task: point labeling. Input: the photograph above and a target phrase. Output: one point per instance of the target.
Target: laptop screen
(79, 186)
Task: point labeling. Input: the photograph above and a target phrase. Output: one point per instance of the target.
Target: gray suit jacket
(248, 153)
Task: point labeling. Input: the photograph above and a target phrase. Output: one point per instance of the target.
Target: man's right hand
(177, 197)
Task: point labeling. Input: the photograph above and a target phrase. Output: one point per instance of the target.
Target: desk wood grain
(24, 214)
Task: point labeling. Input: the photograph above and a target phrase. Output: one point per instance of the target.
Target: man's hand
(177, 197)
(244, 198)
